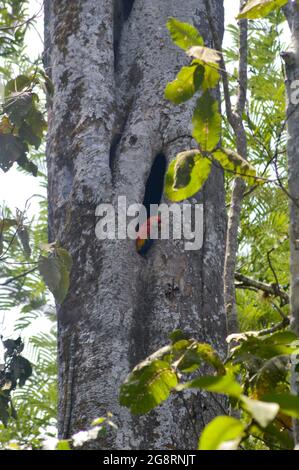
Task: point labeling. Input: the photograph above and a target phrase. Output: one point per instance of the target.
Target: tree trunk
(292, 72)
(108, 120)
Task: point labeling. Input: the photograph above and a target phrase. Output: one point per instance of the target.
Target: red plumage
(144, 240)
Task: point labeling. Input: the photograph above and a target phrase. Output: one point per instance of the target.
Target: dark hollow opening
(155, 183)
(127, 7)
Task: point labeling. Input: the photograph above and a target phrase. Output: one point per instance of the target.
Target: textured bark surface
(292, 72)
(109, 62)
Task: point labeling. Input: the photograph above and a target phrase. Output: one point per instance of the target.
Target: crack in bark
(122, 11)
(120, 126)
(68, 392)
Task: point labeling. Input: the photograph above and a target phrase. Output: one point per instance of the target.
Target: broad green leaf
(273, 373)
(21, 370)
(184, 35)
(235, 164)
(224, 432)
(288, 404)
(65, 258)
(65, 265)
(63, 445)
(187, 82)
(283, 437)
(17, 84)
(278, 344)
(260, 8)
(211, 77)
(184, 164)
(225, 384)
(11, 150)
(205, 55)
(5, 125)
(37, 124)
(17, 106)
(206, 122)
(199, 169)
(55, 271)
(263, 413)
(27, 165)
(50, 271)
(147, 386)
(178, 335)
(6, 224)
(98, 421)
(196, 354)
(28, 135)
(281, 337)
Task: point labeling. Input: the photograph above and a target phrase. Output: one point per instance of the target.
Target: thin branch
(235, 119)
(224, 75)
(271, 289)
(23, 23)
(12, 279)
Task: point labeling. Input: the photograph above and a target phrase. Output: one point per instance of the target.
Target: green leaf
(63, 445)
(147, 386)
(288, 404)
(65, 257)
(177, 335)
(27, 165)
(225, 384)
(206, 122)
(197, 353)
(11, 150)
(6, 224)
(55, 271)
(283, 437)
(260, 8)
(27, 134)
(224, 432)
(17, 84)
(36, 123)
(211, 77)
(17, 106)
(281, 337)
(186, 175)
(235, 164)
(98, 421)
(263, 413)
(5, 125)
(21, 369)
(183, 34)
(187, 82)
(205, 55)
(277, 344)
(270, 375)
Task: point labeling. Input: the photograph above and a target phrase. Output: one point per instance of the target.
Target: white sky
(17, 187)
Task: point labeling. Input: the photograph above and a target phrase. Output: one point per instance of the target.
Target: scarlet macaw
(144, 240)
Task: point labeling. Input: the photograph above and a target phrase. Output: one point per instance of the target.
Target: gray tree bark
(292, 72)
(109, 62)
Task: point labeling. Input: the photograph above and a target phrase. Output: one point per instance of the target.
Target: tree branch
(236, 121)
(271, 289)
